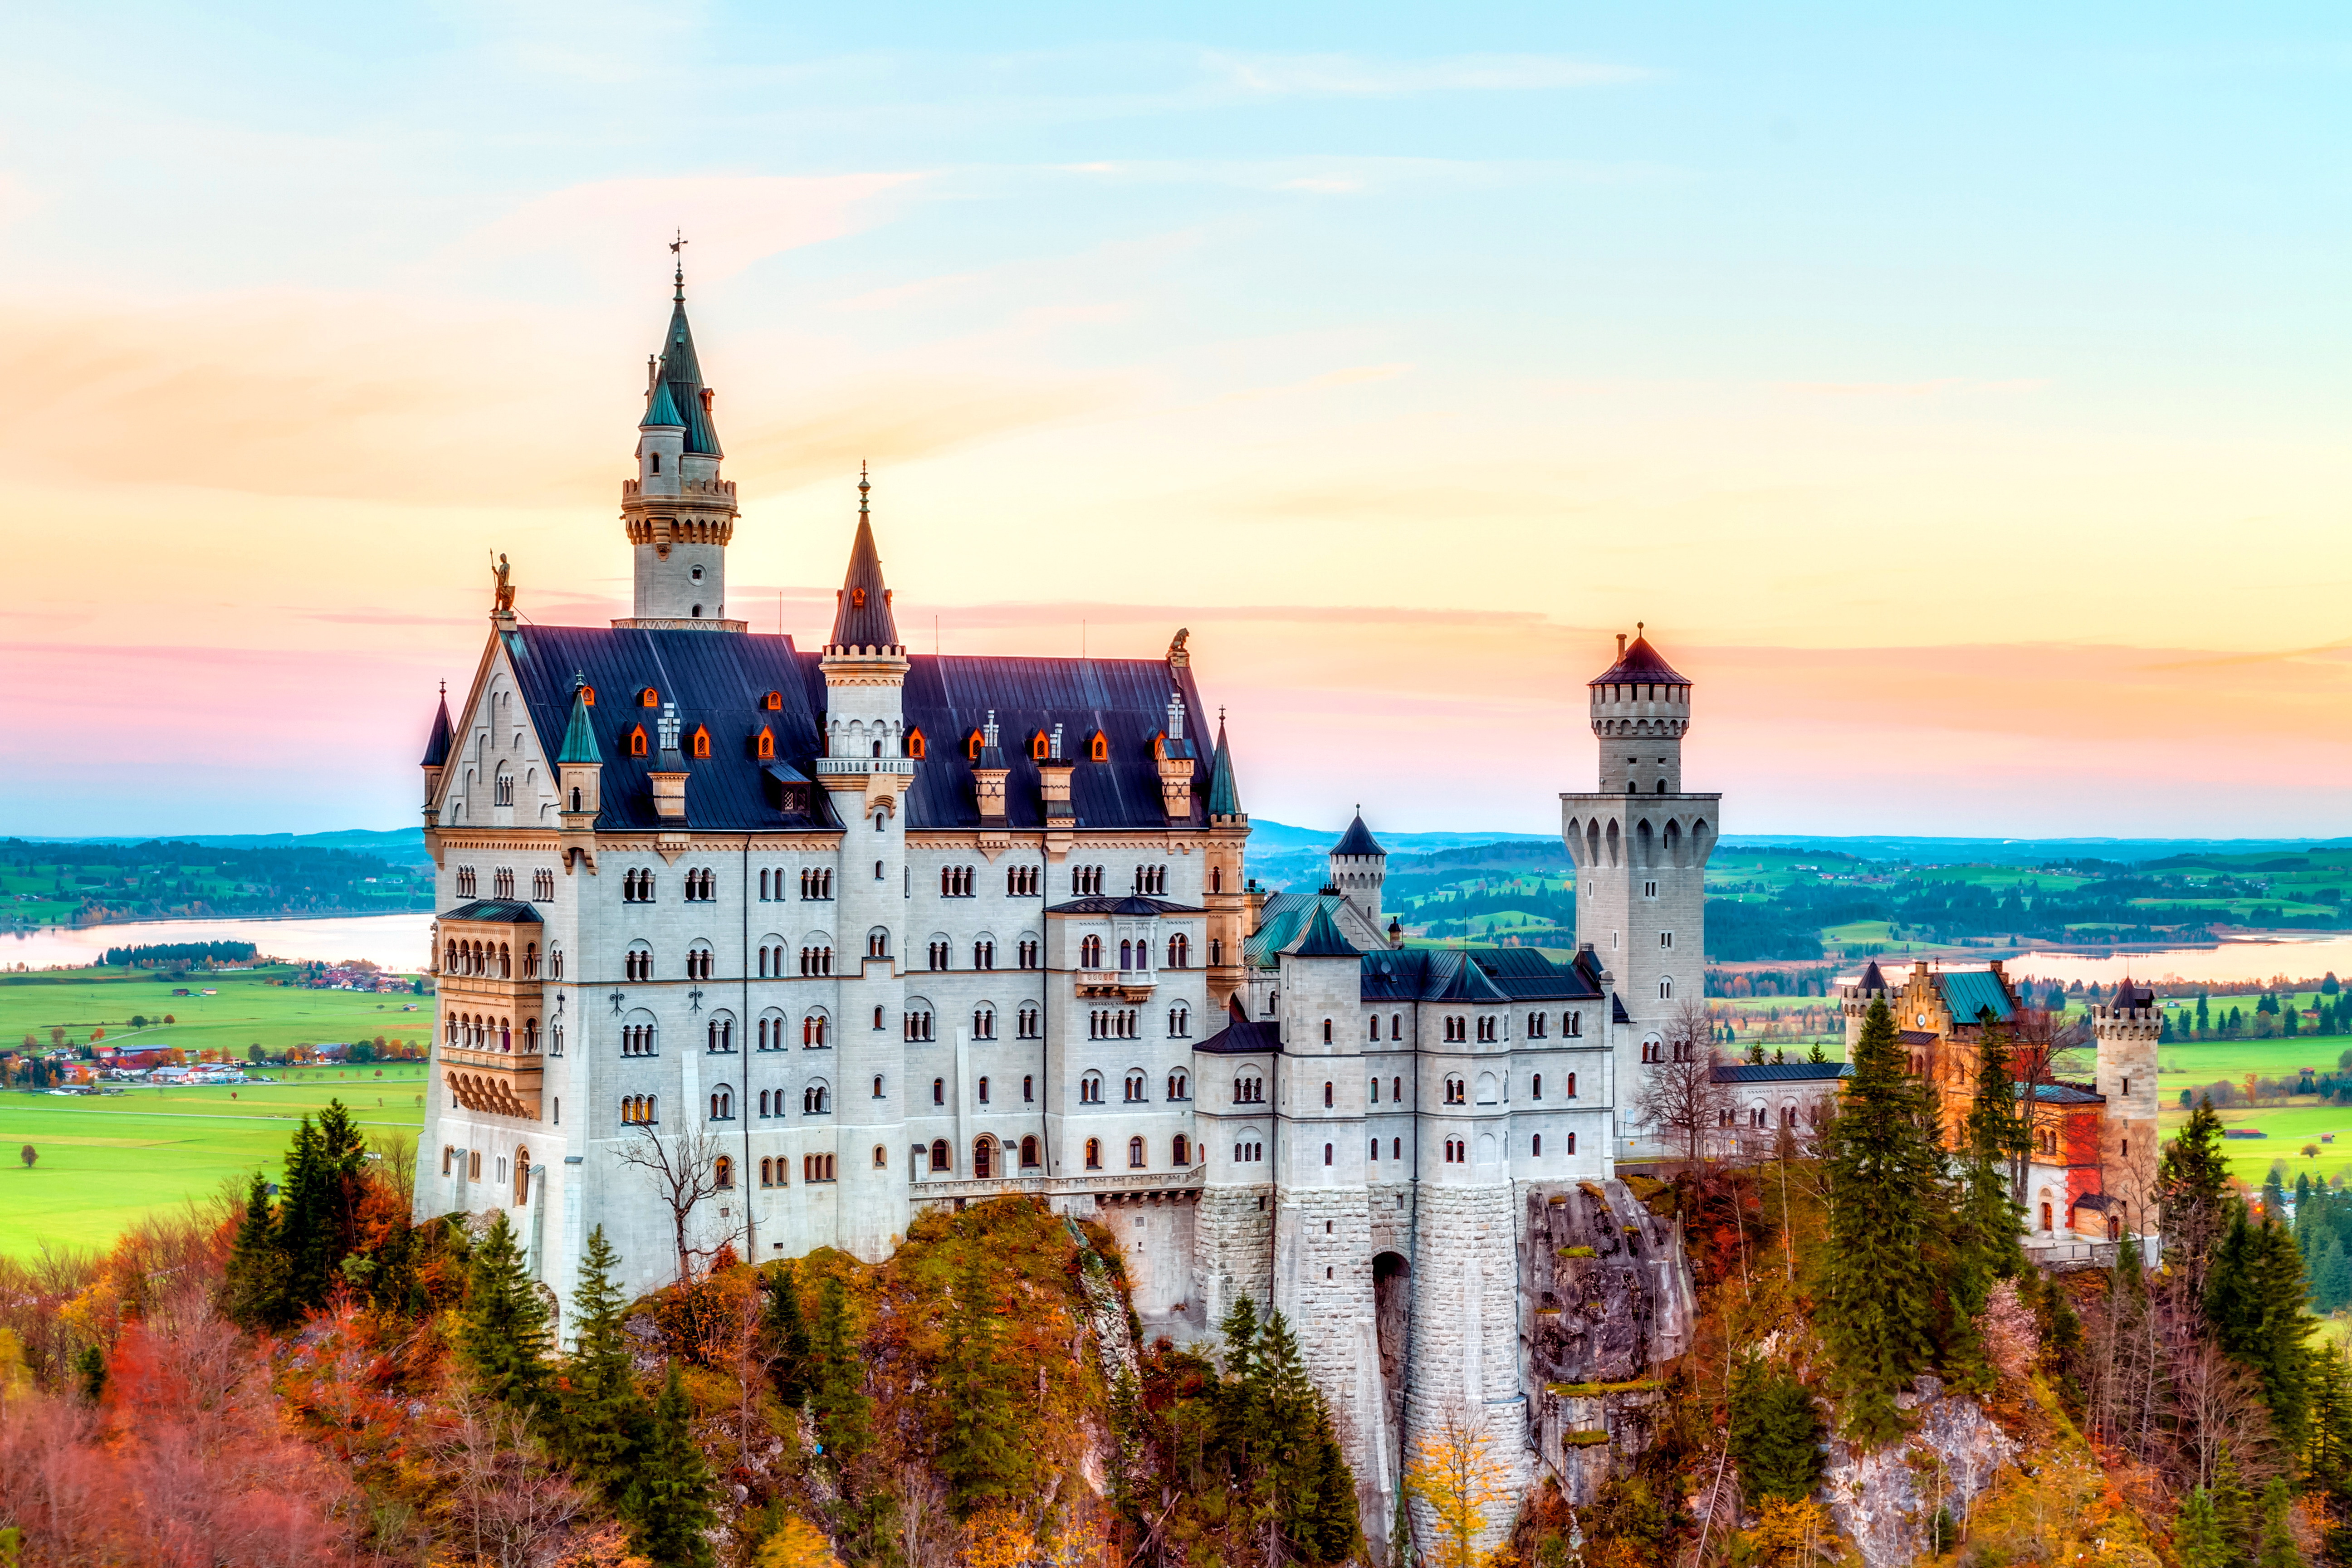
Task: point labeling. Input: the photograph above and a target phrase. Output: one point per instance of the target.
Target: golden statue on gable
(502, 585)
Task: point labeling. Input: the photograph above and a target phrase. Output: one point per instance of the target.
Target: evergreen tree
(503, 1333)
(788, 1335)
(2329, 1455)
(604, 1414)
(1880, 1271)
(1756, 1053)
(2203, 1024)
(669, 1501)
(2254, 1295)
(255, 1284)
(2193, 1182)
(980, 1454)
(845, 1419)
(1775, 1433)
(2277, 1548)
(1818, 1055)
(1984, 1232)
(317, 1215)
(89, 1374)
(2197, 1533)
(2331, 1278)
(1302, 1485)
(2233, 1509)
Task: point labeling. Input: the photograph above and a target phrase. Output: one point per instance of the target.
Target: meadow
(102, 1163)
(249, 1009)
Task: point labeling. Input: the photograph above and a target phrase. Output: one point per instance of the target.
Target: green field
(249, 1009)
(105, 1162)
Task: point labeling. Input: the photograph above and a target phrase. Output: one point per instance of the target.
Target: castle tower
(867, 774)
(1358, 866)
(679, 514)
(1854, 1002)
(2127, 1027)
(1227, 901)
(436, 756)
(1640, 844)
(1322, 1232)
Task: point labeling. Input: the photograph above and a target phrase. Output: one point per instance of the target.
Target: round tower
(2127, 1027)
(679, 514)
(1639, 710)
(1358, 866)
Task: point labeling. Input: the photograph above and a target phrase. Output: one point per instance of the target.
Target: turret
(1232, 916)
(579, 777)
(1358, 866)
(679, 514)
(2127, 1027)
(436, 756)
(1639, 710)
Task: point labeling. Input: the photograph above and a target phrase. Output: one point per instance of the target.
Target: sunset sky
(1961, 400)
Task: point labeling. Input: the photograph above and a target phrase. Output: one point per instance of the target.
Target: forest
(48, 883)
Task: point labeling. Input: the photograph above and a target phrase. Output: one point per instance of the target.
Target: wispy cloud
(1287, 76)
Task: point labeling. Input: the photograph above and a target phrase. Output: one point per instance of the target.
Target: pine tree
(2329, 1455)
(669, 1501)
(255, 1284)
(2278, 1550)
(316, 1217)
(1817, 1053)
(604, 1414)
(2233, 1509)
(788, 1336)
(1775, 1433)
(1880, 1283)
(2253, 1300)
(503, 1333)
(1984, 1230)
(2197, 1533)
(844, 1421)
(2192, 1182)
(980, 1454)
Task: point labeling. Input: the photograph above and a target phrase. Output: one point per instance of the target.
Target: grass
(104, 1163)
(249, 1009)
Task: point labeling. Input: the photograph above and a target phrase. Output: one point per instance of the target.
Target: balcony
(1127, 984)
(1104, 1186)
(858, 767)
(501, 1083)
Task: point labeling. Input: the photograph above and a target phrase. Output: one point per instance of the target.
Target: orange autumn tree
(1453, 1476)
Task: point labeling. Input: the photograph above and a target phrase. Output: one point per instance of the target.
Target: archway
(1391, 1313)
(983, 1158)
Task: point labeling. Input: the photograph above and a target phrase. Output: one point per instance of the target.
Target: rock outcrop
(1885, 1499)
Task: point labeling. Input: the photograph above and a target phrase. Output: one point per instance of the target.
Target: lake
(395, 942)
(2256, 960)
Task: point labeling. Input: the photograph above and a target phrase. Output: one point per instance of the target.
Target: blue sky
(1960, 395)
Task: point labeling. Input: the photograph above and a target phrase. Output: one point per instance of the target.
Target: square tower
(1640, 843)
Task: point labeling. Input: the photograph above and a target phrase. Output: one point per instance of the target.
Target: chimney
(669, 772)
(1053, 782)
(989, 774)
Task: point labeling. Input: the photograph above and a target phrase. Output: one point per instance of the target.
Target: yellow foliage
(997, 1538)
(1791, 1534)
(1453, 1476)
(96, 1314)
(12, 1362)
(799, 1544)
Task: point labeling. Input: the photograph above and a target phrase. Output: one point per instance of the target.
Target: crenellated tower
(1640, 843)
(2127, 1027)
(1358, 868)
(679, 514)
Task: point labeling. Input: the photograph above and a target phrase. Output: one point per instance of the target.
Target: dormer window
(700, 745)
(648, 697)
(765, 745)
(1098, 748)
(637, 742)
(971, 746)
(857, 598)
(588, 695)
(917, 746)
(1038, 746)
(774, 701)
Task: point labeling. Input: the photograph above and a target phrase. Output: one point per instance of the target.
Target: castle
(834, 936)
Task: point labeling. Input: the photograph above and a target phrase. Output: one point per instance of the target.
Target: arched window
(1326, 1153)
(1136, 1087)
(1538, 1148)
(1666, 988)
(1029, 1154)
(1038, 747)
(1090, 1088)
(816, 1099)
(1182, 1151)
(1572, 1142)
(774, 701)
(1536, 1088)
(764, 748)
(1136, 1156)
(1180, 950)
(699, 746)
(917, 747)
(1571, 1086)
(938, 1153)
(1094, 1153)
(1327, 1031)
(637, 742)
(1327, 1096)
(1090, 951)
(983, 1149)
(722, 1172)
(722, 1104)
(1179, 1085)
(521, 1176)
(980, 1090)
(881, 1158)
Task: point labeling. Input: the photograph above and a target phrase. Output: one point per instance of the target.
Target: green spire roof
(662, 410)
(1224, 794)
(1323, 938)
(580, 736)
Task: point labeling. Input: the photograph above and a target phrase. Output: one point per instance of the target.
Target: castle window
(1028, 1092)
(1536, 1088)
(588, 695)
(917, 747)
(1098, 748)
(1038, 747)
(1135, 1158)
(1090, 951)
(938, 1153)
(1094, 1153)
(1571, 1086)
(657, 462)
(1028, 1022)
(1572, 1142)
(816, 1099)
(980, 1090)
(1666, 989)
(648, 697)
(983, 1022)
(1538, 1150)
(1090, 1090)
(1180, 1021)
(1327, 1097)
(817, 1167)
(1029, 1154)
(637, 742)
(1136, 1090)
(1456, 1093)
(722, 1107)
(971, 746)
(774, 701)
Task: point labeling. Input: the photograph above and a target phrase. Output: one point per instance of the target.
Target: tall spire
(1225, 790)
(679, 512)
(437, 743)
(580, 734)
(863, 618)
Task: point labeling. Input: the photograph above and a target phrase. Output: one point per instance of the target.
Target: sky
(1958, 395)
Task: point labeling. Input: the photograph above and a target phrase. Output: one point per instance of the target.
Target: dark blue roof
(509, 911)
(719, 682)
(861, 616)
(1242, 1036)
(1322, 938)
(680, 374)
(1121, 904)
(436, 743)
(1780, 1072)
(1358, 840)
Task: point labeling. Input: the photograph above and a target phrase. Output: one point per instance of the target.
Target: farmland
(248, 1008)
(102, 1163)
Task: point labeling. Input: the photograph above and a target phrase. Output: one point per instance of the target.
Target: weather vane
(678, 254)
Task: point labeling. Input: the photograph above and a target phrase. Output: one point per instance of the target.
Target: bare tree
(684, 1171)
(2040, 1040)
(1680, 1094)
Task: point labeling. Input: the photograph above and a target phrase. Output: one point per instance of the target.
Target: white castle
(882, 932)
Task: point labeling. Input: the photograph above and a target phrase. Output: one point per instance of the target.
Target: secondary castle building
(842, 932)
